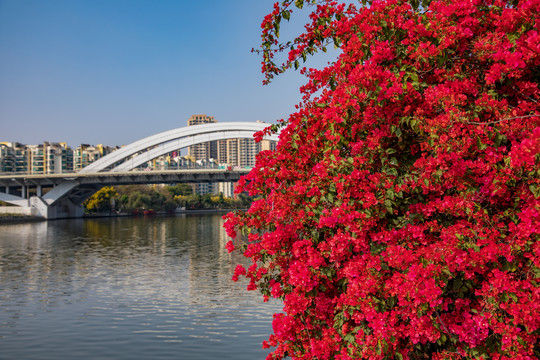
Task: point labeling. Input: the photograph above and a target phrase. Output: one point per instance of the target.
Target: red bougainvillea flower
(399, 216)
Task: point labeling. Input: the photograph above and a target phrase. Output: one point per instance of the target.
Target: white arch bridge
(68, 191)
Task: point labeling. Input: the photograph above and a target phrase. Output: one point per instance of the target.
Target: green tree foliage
(179, 189)
(167, 198)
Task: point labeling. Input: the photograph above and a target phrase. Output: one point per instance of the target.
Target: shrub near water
(400, 215)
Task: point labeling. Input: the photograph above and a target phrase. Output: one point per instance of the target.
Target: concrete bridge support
(64, 208)
(41, 207)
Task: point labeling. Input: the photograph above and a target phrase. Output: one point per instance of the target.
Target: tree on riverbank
(160, 198)
(101, 200)
(400, 214)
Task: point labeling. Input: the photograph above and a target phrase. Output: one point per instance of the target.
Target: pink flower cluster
(399, 216)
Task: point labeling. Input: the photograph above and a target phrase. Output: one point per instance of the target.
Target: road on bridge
(126, 177)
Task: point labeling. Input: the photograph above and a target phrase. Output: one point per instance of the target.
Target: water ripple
(126, 289)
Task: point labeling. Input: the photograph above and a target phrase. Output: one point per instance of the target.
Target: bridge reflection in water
(127, 288)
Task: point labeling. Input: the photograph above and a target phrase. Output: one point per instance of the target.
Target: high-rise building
(50, 158)
(228, 152)
(205, 151)
(247, 149)
(7, 158)
(227, 189)
(22, 157)
(267, 145)
(46, 158)
(200, 119)
(241, 152)
(86, 154)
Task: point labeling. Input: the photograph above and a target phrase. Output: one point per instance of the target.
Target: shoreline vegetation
(137, 199)
(147, 200)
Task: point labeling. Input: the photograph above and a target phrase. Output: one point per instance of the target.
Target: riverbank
(161, 213)
(18, 218)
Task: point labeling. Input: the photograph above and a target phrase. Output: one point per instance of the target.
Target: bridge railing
(149, 169)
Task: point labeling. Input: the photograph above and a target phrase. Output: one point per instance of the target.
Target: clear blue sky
(114, 71)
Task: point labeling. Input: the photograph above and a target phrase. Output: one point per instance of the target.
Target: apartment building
(7, 158)
(203, 151)
(241, 152)
(46, 158)
(49, 158)
(22, 158)
(86, 154)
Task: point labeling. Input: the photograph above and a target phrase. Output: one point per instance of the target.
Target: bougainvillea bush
(399, 217)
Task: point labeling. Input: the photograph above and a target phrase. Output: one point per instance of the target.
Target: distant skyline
(115, 71)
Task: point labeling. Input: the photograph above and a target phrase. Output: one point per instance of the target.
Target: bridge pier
(64, 208)
(40, 206)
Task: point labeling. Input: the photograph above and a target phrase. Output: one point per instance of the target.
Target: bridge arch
(171, 140)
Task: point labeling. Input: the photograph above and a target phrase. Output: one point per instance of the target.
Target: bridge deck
(124, 178)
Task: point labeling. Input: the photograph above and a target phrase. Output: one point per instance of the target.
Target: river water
(126, 288)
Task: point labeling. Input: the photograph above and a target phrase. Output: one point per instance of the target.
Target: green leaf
(535, 271)
(276, 26)
(350, 338)
(457, 284)
(388, 205)
(286, 15)
(534, 190)
(479, 351)
(391, 171)
(481, 146)
(299, 3)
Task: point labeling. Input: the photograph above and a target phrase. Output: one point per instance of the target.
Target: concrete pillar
(23, 192)
(41, 207)
(38, 191)
(7, 189)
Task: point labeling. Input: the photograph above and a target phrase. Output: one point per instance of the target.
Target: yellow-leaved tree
(101, 200)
